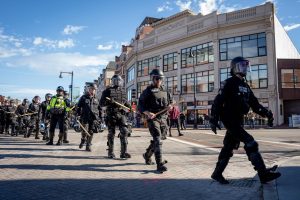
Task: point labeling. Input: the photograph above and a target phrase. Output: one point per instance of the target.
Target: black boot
(88, 148)
(148, 161)
(267, 176)
(59, 142)
(220, 167)
(161, 168)
(81, 143)
(50, 142)
(111, 155)
(66, 141)
(125, 156)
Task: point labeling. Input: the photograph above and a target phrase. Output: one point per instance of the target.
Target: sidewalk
(29, 169)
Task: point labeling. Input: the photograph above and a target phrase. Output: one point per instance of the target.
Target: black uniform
(23, 121)
(115, 116)
(10, 119)
(88, 110)
(34, 119)
(66, 121)
(154, 100)
(2, 119)
(182, 121)
(45, 118)
(230, 105)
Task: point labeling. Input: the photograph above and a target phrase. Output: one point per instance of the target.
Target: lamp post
(71, 86)
(191, 55)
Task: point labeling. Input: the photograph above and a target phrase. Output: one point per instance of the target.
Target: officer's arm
(103, 100)
(257, 107)
(142, 104)
(219, 102)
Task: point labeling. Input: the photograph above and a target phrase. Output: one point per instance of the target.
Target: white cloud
(39, 41)
(69, 29)
(104, 47)
(52, 63)
(183, 5)
(66, 43)
(291, 27)
(207, 6)
(164, 7)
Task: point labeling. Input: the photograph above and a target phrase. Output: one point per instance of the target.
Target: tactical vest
(158, 99)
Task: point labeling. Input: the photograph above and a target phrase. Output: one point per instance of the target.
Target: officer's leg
(155, 130)
(229, 143)
(53, 123)
(149, 152)
(7, 123)
(37, 129)
(83, 134)
(89, 137)
(170, 124)
(252, 151)
(12, 126)
(66, 127)
(61, 129)
(124, 132)
(110, 138)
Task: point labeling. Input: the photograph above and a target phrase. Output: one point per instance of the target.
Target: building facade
(195, 51)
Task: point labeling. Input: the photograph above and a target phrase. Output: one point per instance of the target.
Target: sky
(41, 38)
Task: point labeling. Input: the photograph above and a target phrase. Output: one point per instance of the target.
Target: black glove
(214, 125)
(270, 118)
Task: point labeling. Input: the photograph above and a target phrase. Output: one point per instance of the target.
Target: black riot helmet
(48, 96)
(156, 73)
(239, 65)
(66, 93)
(36, 99)
(117, 80)
(25, 102)
(60, 88)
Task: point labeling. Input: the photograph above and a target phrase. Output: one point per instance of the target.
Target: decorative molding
(171, 26)
(241, 14)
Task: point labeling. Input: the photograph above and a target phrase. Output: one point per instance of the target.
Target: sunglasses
(158, 78)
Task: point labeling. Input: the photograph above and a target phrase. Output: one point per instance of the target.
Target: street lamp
(71, 86)
(191, 55)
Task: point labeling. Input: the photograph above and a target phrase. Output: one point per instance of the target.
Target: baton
(121, 105)
(83, 128)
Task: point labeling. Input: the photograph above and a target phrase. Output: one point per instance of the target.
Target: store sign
(199, 107)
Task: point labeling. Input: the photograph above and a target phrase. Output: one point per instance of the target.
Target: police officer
(57, 108)
(234, 100)
(33, 109)
(88, 111)
(116, 116)
(45, 116)
(67, 117)
(22, 119)
(152, 100)
(2, 117)
(10, 120)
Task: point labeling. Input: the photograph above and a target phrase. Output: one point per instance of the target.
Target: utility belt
(57, 111)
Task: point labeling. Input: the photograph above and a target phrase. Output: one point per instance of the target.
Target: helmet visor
(243, 67)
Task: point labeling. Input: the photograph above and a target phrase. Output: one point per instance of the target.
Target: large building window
(171, 84)
(204, 82)
(290, 78)
(141, 86)
(146, 66)
(203, 53)
(170, 62)
(257, 78)
(247, 46)
(130, 74)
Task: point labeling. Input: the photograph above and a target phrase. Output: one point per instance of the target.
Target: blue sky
(40, 38)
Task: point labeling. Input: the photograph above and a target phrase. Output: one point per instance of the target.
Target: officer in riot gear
(57, 108)
(67, 117)
(22, 119)
(153, 100)
(45, 116)
(10, 120)
(88, 111)
(2, 118)
(234, 100)
(116, 116)
(33, 109)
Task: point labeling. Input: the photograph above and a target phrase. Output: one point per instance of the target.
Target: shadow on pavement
(288, 183)
(156, 188)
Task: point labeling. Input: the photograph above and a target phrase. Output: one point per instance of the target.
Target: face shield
(117, 81)
(242, 68)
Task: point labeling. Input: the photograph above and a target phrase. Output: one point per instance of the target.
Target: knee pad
(251, 146)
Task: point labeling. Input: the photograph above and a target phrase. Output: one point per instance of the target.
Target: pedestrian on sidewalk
(234, 100)
(155, 99)
(182, 120)
(174, 120)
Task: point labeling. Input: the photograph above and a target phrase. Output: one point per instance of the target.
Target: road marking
(194, 144)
